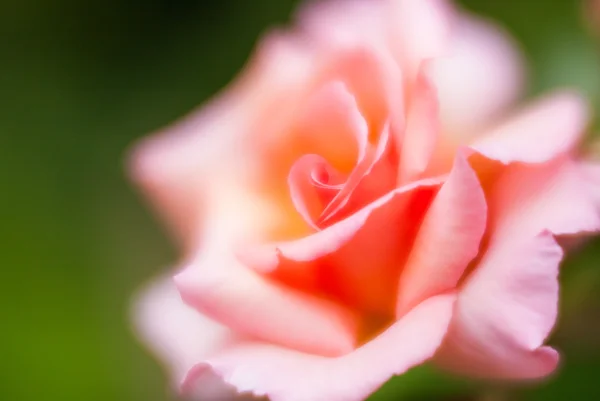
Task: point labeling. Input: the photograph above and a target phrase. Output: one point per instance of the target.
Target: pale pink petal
(554, 196)
(422, 29)
(173, 166)
(448, 238)
(356, 260)
(479, 77)
(345, 23)
(410, 31)
(508, 306)
(546, 129)
(286, 375)
(505, 311)
(179, 335)
(217, 285)
(591, 175)
(422, 128)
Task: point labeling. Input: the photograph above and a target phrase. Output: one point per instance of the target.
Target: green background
(81, 80)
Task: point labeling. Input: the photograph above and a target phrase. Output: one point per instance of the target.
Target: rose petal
(422, 29)
(354, 34)
(372, 178)
(553, 196)
(285, 375)
(546, 129)
(478, 78)
(332, 126)
(448, 239)
(356, 260)
(344, 23)
(375, 80)
(313, 185)
(591, 176)
(410, 30)
(217, 285)
(179, 335)
(505, 311)
(173, 166)
(422, 128)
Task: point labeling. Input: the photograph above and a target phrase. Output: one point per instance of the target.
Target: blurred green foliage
(79, 82)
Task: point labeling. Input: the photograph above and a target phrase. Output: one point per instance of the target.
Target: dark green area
(79, 81)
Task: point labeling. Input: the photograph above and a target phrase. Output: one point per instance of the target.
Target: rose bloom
(364, 198)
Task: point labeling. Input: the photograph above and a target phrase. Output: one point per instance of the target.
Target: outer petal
(480, 75)
(508, 305)
(422, 29)
(505, 312)
(220, 287)
(179, 335)
(285, 375)
(555, 196)
(591, 175)
(345, 23)
(548, 128)
(448, 239)
(173, 166)
(410, 30)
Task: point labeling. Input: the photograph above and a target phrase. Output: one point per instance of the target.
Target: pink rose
(361, 201)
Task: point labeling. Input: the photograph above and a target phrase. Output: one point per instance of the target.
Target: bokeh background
(79, 82)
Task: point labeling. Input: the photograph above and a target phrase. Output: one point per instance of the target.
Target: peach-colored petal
(356, 260)
(478, 78)
(553, 196)
(376, 82)
(505, 311)
(229, 292)
(179, 335)
(508, 306)
(313, 185)
(448, 239)
(373, 177)
(286, 375)
(332, 126)
(422, 128)
(546, 129)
